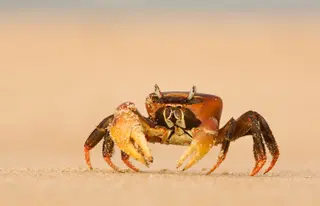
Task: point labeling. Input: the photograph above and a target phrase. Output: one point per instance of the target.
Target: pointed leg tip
(254, 172)
(209, 172)
(258, 166)
(267, 170)
(271, 165)
(130, 165)
(89, 166)
(134, 169)
(214, 167)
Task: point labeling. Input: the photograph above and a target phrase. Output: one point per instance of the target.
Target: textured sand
(61, 76)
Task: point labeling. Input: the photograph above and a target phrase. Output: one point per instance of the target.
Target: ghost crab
(179, 118)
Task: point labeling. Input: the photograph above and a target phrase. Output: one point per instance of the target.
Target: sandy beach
(62, 74)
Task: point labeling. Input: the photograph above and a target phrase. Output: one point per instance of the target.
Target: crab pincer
(127, 133)
(203, 141)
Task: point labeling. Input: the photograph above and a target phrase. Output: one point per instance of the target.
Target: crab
(184, 118)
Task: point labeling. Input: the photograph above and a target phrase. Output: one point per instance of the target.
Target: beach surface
(62, 74)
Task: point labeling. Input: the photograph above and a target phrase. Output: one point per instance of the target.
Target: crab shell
(197, 108)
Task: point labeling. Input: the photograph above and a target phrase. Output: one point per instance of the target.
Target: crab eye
(167, 112)
(178, 114)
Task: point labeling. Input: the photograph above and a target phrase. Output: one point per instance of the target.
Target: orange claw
(127, 132)
(200, 146)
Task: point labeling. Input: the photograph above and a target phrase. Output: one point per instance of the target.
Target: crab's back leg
(252, 123)
(95, 137)
(270, 141)
(259, 150)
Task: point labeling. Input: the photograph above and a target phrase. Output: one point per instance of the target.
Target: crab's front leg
(203, 139)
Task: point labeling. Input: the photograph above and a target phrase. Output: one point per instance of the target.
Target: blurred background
(65, 65)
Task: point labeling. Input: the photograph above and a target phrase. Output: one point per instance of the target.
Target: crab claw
(127, 133)
(203, 140)
(200, 146)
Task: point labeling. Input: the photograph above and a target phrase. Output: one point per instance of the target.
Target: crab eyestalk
(192, 92)
(157, 91)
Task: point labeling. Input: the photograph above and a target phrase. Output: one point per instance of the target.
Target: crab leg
(260, 131)
(227, 131)
(270, 142)
(107, 152)
(251, 123)
(95, 137)
(203, 140)
(259, 151)
(125, 158)
(127, 133)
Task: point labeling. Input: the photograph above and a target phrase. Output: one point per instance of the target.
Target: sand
(61, 75)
